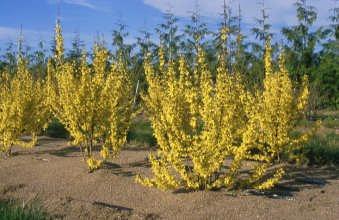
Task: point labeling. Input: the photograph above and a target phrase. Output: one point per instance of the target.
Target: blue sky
(90, 17)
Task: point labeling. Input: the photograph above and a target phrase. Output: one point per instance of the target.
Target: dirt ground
(55, 176)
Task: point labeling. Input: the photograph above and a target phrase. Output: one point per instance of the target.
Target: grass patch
(330, 119)
(321, 150)
(305, 123)
(141, 132)
(331, 122)
(9, 210)
(327, 113)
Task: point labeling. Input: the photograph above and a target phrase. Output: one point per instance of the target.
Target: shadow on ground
(298, 179)
(115, 207)
(61, 152)
(143, 163)
(118, 170)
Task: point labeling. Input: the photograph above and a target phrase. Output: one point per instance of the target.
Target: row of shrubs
(319, 150)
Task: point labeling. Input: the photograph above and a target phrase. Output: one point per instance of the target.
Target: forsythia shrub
(94, 104)
(197, 123)
(272, 117)
(206, 129)
(23, 109)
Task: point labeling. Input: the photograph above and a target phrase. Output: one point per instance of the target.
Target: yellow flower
(93, 164)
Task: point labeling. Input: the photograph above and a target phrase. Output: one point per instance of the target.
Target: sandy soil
(55, 176)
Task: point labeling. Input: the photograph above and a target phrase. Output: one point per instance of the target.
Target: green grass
(141, 132)
(331, 122)
(330, 119)
(9, 210)
(305, 123)
(323, 150)
(322, 114)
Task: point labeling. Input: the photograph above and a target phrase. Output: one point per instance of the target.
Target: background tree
(39, 61)
(225, 38)
(146, 48)
(241, 56)
(327, 78)
(262, 33)
(170, 38)
(9, 58)
(302, 42)
(125, 52)
(195, 34)
(76, 51)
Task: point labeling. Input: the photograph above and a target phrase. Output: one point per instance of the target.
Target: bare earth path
(55, 175)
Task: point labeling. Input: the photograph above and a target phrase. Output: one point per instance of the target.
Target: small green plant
(9, 210)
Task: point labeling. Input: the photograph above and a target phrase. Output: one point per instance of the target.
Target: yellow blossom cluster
(93, 101)
(23, 109)
(271, 119)
(208, 128)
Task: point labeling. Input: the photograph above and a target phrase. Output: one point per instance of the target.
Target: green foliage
(56, 129)
(330, 119)
(300, 50)
(121, 48)
(321, 150)
(303, 39)
(327, 79)
(196, 32)
(9, 58)
(75, 53)
(170, 38)
(9, 210)
(141, 132)
(331, 122)
(262, 32)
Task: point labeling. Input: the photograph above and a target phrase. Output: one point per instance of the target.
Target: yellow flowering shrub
(93, 164)
(54, 66)
(95, 106)
(201, 123)
(23, 109)
(197, 123)
(272, 117)
(93, 101)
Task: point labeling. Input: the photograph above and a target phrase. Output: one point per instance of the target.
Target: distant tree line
(310, 50)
